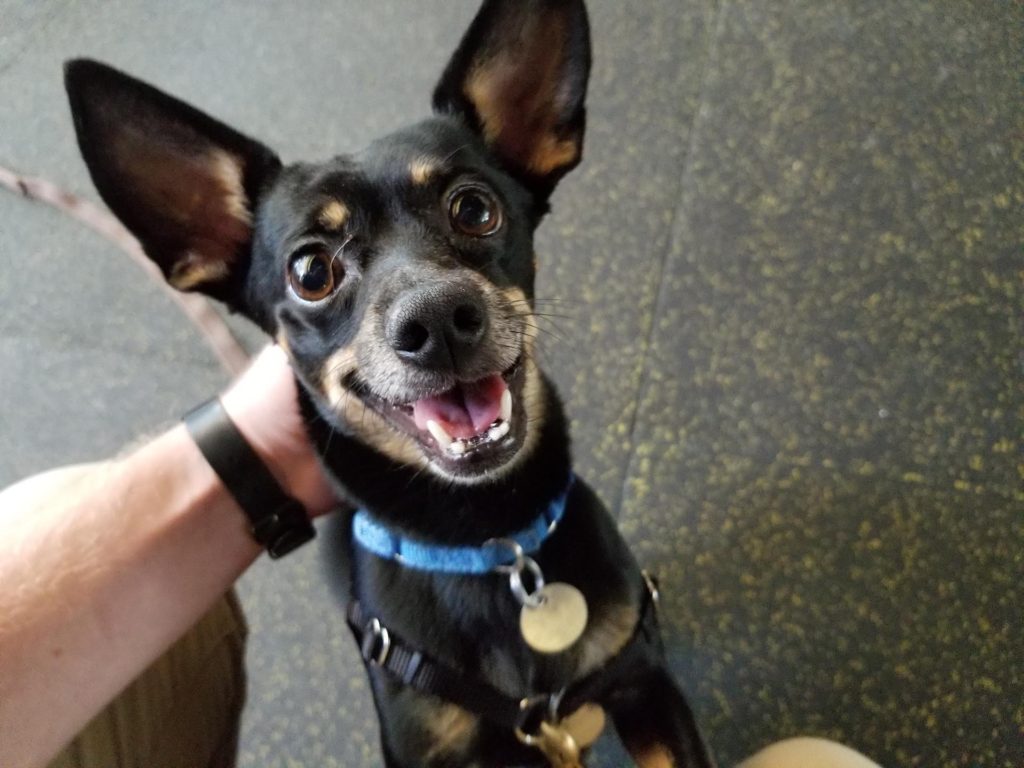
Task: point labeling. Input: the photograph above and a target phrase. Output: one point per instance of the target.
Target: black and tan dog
(400, 280)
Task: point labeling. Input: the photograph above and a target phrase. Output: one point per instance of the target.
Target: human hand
(263, 404)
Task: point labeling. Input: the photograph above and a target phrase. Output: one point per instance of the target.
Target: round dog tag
(558, 619)
(585, 724)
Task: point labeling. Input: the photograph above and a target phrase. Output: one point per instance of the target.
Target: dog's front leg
(657, 726)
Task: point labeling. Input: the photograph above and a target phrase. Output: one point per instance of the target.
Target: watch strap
(277, 521)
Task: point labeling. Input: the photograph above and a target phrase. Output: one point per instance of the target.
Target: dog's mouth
(468, 430)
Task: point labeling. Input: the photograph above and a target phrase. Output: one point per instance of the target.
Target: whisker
(549, 332)
(453, 153)
(553, 314)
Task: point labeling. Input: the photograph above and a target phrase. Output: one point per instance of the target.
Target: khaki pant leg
(182, 712)
(807, 752)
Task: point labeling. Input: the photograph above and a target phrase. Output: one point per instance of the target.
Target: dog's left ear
(185, 184)
(519, 77)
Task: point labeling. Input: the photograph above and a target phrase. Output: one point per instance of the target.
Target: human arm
(103, 566)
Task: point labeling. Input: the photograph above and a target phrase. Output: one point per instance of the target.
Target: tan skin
(105, 565)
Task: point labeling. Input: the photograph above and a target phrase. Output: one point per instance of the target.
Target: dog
(499, 611)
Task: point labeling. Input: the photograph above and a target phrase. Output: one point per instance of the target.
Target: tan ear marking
(227, 169)
(529, 137)
(333, 216)
(193, 270)
(519, 99)
(204, 199)
(552, 154)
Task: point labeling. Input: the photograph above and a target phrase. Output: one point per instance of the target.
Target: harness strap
(379, 647)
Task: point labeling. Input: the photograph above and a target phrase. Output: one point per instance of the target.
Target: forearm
(106, 566)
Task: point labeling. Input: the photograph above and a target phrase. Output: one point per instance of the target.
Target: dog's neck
(420, 504)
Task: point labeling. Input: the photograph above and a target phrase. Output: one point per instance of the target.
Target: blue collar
(377, 538)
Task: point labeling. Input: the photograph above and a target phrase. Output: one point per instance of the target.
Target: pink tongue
(464, 411)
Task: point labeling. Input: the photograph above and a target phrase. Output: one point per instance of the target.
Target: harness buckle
(376, 643)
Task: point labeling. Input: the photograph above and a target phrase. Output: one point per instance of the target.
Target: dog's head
(399, 279)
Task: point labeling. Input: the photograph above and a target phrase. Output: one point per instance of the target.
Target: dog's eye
(474, 212)
(314, 274)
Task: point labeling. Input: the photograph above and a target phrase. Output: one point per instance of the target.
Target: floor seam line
(687, 166)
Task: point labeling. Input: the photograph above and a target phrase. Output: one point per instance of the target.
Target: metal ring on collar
(517, 551)
(515, 579)
(531, 708)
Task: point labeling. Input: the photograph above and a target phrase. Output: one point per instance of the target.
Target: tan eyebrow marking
(421, 169)
(333, 216)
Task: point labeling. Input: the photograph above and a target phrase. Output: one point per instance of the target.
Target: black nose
(439, 328)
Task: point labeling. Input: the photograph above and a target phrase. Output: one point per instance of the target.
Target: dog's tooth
(457, 447)
(498, 432)
(444, 440)
(506, 406)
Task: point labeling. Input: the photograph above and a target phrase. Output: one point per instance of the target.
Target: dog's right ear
(183, 183)
(519, 78)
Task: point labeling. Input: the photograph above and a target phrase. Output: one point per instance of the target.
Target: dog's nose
(439, 328)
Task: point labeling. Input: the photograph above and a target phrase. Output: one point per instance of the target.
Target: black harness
(382, 649)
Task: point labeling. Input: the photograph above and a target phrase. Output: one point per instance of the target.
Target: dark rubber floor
(788, 321)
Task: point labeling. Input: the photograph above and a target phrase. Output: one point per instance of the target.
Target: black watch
(278, 522)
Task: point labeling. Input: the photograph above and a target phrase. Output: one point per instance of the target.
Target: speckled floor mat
(785, 295)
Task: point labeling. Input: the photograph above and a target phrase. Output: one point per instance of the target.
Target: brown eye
(314, 274)
(474, 212)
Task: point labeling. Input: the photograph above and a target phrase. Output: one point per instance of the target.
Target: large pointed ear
(183, 183)
(519, 77)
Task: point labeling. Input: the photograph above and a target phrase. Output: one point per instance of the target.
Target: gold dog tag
(585, 724)
(556, 621)
(558, 746)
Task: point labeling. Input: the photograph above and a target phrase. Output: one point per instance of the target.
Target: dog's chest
(472, 623)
